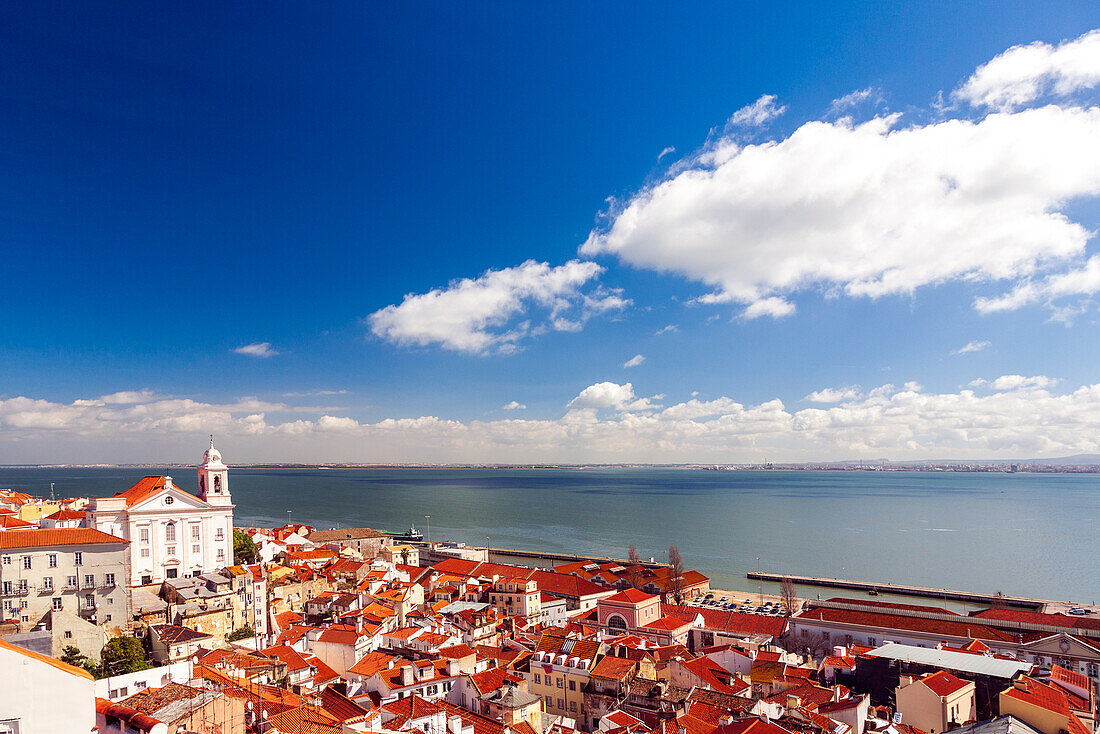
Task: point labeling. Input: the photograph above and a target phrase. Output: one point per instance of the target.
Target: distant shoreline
(1048, 466)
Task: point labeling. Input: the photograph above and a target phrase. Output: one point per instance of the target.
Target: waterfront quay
(971, 597)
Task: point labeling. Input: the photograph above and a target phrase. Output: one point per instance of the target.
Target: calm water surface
(1025, 534)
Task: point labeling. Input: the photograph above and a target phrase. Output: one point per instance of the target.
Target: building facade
(78, 570)
(172, 532)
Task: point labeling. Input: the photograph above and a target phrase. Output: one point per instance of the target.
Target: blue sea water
(1024, 534)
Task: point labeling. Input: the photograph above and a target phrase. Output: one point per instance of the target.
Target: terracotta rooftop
(943, 683)
(15, 539)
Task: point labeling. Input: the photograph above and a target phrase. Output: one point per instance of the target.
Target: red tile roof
(1061, 675)
(960, 628)
(630, 596)
(732, 622)
(943, 683)
(143, 490)
(1055, 620)
(13, 539)
(9, 522)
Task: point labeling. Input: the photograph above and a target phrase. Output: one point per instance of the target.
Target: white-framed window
(219, 534)
(7, 589)
(144, 552)
(110, 581)
(143, 535)
(78, 559)
(26, 562)
(221, 554)
(196, 548)
(170, 533)
(57, 604)
(5, 560)
(537, 679)
(170, 550)
(72, 582)
(7, 605)
(195, 533)
(52, 560)
(89, 601)
(25, 618)
(68, 634)
(47, 583)
(23, 586)
(89, 580)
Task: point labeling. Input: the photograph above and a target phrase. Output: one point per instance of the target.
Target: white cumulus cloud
(610, 395)
(834, 394)
(514, 406)
(479, 315)
(262, 350)
(1023, 74)
(876, 208)
(634, 361)
(1011, 416)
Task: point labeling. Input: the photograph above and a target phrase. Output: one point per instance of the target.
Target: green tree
(121, 655)
(244, 548)
(241, 633)
(73, 656)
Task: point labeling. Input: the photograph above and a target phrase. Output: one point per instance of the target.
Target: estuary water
(1024, 534)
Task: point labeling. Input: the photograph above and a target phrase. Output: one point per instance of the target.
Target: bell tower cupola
(214, 478)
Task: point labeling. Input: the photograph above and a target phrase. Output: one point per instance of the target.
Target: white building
(41, 695)
(172, 532)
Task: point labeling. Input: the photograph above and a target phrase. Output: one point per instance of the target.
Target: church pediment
(170, 499)
(1062, 644)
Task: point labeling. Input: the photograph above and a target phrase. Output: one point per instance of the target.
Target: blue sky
(178, 185)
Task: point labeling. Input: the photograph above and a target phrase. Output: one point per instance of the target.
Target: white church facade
(172, 532)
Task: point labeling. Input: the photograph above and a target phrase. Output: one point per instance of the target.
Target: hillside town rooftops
(338, 534)
(943, 683)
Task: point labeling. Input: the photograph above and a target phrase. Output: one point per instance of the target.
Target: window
(143, 535)
(219, 534)
(871, 641)
(170, 550)
(89, 580)
(57, 605)
(89, 601)
(549, 702)
(170, 573)
(170, 532)
(560, 682)
(52, 560)
(71, 582)
(47, 583)
(68, 634)
(169, 500)
(825, 636)
(140, 685)
(108, 617)
(22, 586)
(561, 704)
(221, 554)
(6, 560)
(573, 706)
(195, 549)
(537, 679)
(146, 580)
(26, 562)
(110, 581)
(25, 618)
(7, 589)
(572, 685)
(144, 552)
(78, 558)
(7, 605)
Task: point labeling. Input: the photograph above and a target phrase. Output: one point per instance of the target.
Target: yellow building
(559, 671)
(936, 702)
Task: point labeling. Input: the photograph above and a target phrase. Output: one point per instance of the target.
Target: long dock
(972, 597)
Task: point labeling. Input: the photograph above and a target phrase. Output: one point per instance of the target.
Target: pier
(904, 589)
(570, 557)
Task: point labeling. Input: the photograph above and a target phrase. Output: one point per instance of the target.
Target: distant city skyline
(512, 234)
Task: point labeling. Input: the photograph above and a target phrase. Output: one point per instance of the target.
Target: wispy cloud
(671, 328)
(634, 361)
(665, 152)
(314, 393)
(263, 350)
(514, 406)
(757, 114)
(973, 346)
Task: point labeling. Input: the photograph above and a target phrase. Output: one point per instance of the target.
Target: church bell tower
(214, 478)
